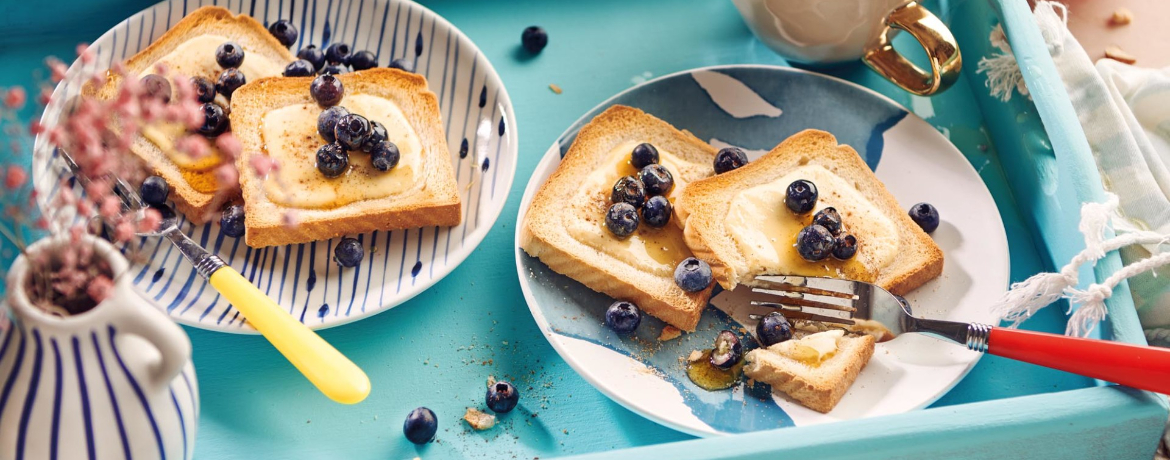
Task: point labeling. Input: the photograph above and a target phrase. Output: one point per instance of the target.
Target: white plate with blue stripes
(302, 278)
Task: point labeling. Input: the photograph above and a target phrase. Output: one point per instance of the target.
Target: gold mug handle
(935, 38)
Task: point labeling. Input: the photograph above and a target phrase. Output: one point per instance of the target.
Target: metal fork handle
(972, 335)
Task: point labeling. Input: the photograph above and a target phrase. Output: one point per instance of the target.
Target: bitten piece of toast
(816, 385)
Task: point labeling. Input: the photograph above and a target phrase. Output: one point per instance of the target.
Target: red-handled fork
(845, 301)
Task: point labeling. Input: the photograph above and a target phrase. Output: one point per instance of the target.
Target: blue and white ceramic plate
(755, 107)
(302, 278)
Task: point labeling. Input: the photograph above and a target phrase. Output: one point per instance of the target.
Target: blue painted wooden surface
(438, 349)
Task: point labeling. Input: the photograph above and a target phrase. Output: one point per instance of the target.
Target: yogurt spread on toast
(812, 349)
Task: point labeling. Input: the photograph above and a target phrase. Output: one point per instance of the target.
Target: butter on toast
(739, 224)
(565, 225)
(188, 49)
(278, 117)
(815, 383)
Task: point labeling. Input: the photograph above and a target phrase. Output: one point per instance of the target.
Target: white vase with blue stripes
(114, 382)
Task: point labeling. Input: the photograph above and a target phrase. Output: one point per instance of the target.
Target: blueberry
(623, 317)
(349, 252)
(846, 247)
(204, 89)
(629, 190)
(214, 121)
(229, 81)
(363, 60)
(502, 397)
(728, 350)
(728, 159)
(801, 196)
(384, 156)
(814, 243)
(925, 215)
(693, 275)
(332, 70)
(299, 68)
(312, 54)
(232, 221)
(773, 328)
(534, 39)
(643, 155)
(284, 32)
(420, 426)
(830, 219)
(656, 212)
(657, 179)
(157, 86)
(327, 122)
(332, 160)
(402, 64)
(326, 90)
(229, 55)
(337, 53)
(154, 191)
(377, 136)
(621, 219)
(352, 130)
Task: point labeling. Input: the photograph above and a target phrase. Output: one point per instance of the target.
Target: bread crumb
(491, 380)
(479, 420)
(1121, 17)
(554, 88)
(669, 333)
(1117, 54)
(695, 356)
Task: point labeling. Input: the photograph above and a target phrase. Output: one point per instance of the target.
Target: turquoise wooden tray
(438, 349)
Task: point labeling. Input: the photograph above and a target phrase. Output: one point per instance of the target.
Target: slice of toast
(816, 385)
(183, 50)
(420, 191)
(565, 224)
(739, 224)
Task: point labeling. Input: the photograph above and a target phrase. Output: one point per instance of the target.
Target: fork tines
(794, 295)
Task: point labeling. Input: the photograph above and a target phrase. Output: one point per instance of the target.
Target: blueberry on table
(377, 136)
(157, 87)
(846, 247)
(332, 160)
(630, 190)
(420, 426)
(154, 191)
(402, 64)
(643, 155)
(232, 221)
(773, 328)
(621, 219)
(801, 196)
(229, 55)
(730, 158)
(925, 215)
(229, 81)
(814, 243)
(326, 90)
(828, 218)
(284, 32)
(337, 53)
(327, 122)
(623, 317)
(363, 60)
(351, 131)
(502, 397)
(656, 212)
(332, 70)
(384, 156)
(657, 179)
(534, 39)
(214, 120)
(299, 68)
(204, 89)
(728, 350)
(348, 252)
(693, 275)
(314, 55)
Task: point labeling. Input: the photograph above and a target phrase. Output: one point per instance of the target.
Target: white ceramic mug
(834, 31)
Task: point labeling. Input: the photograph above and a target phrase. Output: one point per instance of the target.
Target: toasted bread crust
(819, 388)
(437, 203)
(544, 235)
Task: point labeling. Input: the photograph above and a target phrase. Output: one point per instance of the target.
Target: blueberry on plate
(157, 86)
(299, 68)
(621, 219)
(352, 130)
(327, 122)
(376, 136)
(232, 221)
(828, 218)
(814, 243)
(502, 397)
(643, 155)
(348, 252)
(629, 190)
(401, 64)
(693, 275)
(229, 81)
(534, 39)
(332, 160)
(420, 426)
(337, 53)
(284, 32)
(154, 191)
(384, 156)
(728, 350)
(363, 60)
(925, 215)
(729, 159)
(846, 247)
(801, 196)
(313, 55)
(657, 179)
(656, 212)
(214, 121)
(623, 317)
(773, 328)
(229, 55)
(204, 89)
(326, 90)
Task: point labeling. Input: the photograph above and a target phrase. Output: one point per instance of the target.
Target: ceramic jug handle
(139, 317)
(935, 38)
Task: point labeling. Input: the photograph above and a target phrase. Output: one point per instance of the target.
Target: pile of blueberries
(335, 59)
(825, 236)
(646, 191)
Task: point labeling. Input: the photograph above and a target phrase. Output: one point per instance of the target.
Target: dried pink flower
(151, 218)
(227, 174)
(228, 145)
(15, 177)
(15, 98)
(123, 232)
(110, 208)
(85, 53)
(57, 69)
(194, 145)
(100, 288)
(263, 164)
(75, 234)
